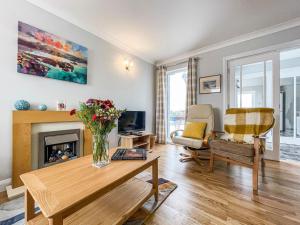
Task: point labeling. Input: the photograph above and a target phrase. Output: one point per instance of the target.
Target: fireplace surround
(22, 138)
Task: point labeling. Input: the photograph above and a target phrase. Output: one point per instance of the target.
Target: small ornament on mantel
(61, 105)
(22, 105)
(42, 107)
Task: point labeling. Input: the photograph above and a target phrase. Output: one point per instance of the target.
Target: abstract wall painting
(46, 55)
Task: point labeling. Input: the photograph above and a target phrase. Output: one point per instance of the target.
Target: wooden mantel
(22, 125)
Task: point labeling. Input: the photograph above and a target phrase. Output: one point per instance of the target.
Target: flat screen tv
(131, 121)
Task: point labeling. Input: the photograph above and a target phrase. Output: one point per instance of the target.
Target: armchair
(243, 141)
(198, 147)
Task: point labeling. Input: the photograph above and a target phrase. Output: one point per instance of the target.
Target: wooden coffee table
(75, 192)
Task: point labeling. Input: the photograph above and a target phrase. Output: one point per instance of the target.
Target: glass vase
(100, 151)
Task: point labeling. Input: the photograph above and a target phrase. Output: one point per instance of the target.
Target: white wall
(212, 63)
(106, 74)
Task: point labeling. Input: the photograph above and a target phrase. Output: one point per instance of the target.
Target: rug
(12, 212)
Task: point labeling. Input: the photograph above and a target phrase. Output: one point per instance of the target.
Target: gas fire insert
(58, 146)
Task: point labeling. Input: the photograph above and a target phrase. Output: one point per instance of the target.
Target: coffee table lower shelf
(113, 208)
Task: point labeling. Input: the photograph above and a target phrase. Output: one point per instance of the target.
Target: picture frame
(47, 55)
(210, 84)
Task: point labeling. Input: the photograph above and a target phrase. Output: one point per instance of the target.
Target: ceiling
(156, 30)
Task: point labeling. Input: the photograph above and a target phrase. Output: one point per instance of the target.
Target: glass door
(290, 104)
(176, 100)
(254, 82)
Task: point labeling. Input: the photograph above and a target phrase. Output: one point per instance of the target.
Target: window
(176, 95)
(290, 96)
(247, 99)
(252, 84)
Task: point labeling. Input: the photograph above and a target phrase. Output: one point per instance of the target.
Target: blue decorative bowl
(42, 107)
(22, 105)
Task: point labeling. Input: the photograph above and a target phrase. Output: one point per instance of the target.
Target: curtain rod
(178, 63)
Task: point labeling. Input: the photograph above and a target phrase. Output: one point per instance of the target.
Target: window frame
(169, 73)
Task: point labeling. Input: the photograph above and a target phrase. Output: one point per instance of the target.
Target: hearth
(58, 146)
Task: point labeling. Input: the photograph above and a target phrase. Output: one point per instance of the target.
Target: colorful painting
(46, 55)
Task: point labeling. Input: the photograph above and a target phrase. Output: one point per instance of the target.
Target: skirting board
(4, 184)
(14, 193)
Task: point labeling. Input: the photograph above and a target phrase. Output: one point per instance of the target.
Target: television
(131, 121)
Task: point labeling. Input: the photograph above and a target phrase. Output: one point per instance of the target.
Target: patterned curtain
(191, 92)
(161, 86)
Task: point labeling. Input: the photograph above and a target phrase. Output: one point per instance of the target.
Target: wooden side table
(136, 141)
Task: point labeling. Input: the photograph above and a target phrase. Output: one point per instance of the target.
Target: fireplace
(58, 146)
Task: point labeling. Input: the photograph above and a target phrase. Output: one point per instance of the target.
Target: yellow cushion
(194, 130)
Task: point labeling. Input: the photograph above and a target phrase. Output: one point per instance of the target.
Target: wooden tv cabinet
(136, 141)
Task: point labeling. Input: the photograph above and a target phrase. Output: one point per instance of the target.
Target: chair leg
(263, 164)
(255, 177)
(198, 161)
(211, 162)
(185, 159)
(184, 155)
(256, 165)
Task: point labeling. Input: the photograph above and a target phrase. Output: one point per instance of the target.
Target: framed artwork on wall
(47, 55)
(210, 84)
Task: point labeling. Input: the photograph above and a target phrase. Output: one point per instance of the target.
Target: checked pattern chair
(243, 141)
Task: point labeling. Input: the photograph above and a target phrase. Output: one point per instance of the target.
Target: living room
(202, 97)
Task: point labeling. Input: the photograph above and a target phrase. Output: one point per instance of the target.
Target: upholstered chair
(197, 147)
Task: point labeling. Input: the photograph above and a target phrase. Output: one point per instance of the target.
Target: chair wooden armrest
(215, 133)
(260, 137)
(257, 144)
(175, 133)
(256, 164)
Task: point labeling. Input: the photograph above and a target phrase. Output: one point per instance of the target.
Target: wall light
(128, 64)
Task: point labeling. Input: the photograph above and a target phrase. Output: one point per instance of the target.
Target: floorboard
(225, 196)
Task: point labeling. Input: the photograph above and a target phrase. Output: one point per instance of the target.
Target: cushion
(234, 148)
(194, 130)
(190, 142)
(202, 113)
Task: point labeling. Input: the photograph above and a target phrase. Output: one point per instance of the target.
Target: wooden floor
(225, 196)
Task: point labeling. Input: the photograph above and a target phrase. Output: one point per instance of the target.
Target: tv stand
(137, 140)
(137, 133)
